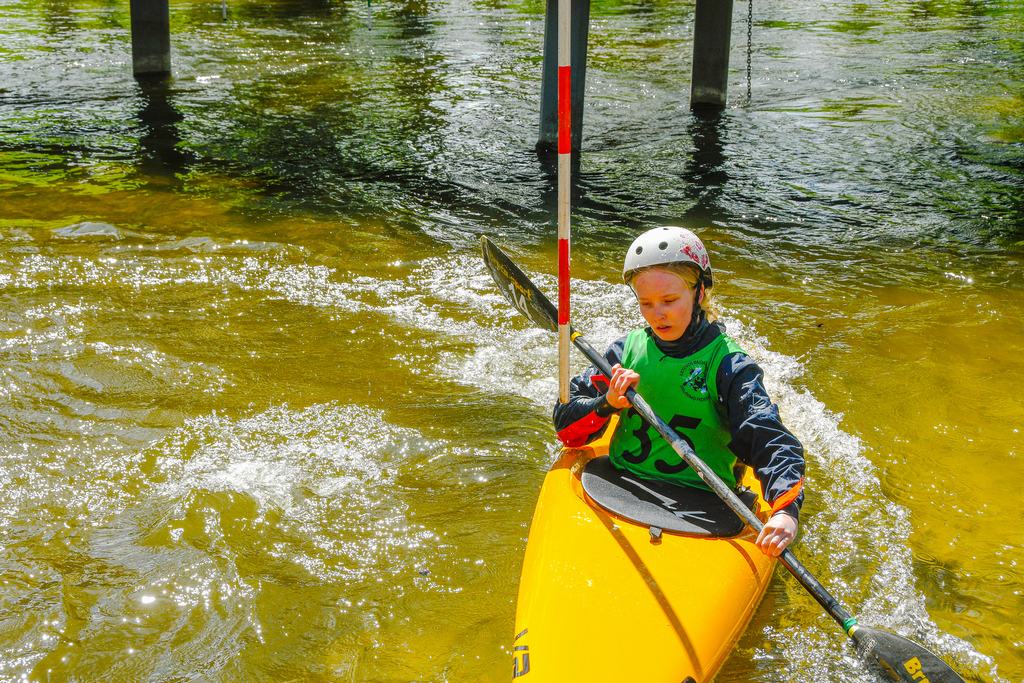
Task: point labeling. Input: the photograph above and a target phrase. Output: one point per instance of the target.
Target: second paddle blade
(904, 659)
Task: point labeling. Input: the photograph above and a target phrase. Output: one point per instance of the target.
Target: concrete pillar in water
(151, 37)
(712, 32)
(548, 140)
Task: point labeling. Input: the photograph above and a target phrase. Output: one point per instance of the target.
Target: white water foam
(327, 473)
(52, 340)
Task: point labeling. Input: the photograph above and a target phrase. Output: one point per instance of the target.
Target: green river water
(263, 415)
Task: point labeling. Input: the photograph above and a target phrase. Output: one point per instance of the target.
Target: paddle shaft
(708, 476)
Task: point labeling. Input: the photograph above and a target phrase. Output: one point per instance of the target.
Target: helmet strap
(697, 314)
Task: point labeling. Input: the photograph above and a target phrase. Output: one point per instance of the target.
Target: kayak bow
(605, 598)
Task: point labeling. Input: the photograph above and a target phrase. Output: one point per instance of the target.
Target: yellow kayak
(621, 596)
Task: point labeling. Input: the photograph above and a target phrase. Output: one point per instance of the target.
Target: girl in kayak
(696, 378)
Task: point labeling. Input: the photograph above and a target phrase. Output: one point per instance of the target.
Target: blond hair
(690, 275)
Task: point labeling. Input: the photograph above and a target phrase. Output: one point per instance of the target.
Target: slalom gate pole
(564, 186)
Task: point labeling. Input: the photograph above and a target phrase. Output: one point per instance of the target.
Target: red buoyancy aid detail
(580, 431)
(788, 497)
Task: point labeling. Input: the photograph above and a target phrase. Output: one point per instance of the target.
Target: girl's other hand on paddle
(777, 533)
(621, 380)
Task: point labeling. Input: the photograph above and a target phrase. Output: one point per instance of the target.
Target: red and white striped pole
(564, 171)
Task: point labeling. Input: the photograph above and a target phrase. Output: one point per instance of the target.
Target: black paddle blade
(902, 659)
(517, 288)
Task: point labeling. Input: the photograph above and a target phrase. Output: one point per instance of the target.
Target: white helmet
(668, 244)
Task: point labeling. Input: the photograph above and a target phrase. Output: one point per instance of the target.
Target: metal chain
(750, 35)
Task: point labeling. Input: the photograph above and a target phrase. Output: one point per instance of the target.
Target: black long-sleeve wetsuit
(759, 439)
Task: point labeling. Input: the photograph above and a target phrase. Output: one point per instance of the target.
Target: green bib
(683, 392)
